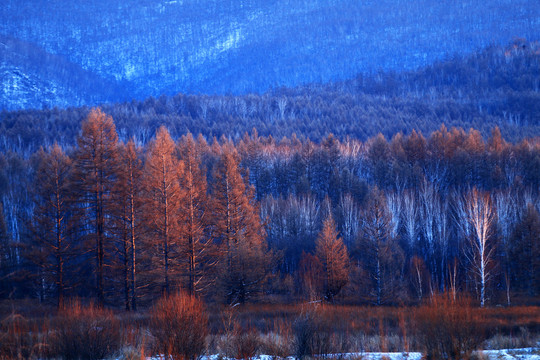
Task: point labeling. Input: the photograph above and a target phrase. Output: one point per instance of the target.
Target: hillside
(150, 48)
(498, 86)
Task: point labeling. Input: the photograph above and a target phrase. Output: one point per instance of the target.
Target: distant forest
(380, 221)
(496, 87)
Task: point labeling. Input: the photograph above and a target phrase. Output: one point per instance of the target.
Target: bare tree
(350, 219)
(410, 217)
(394, 205)
(477, 225)
(507, 213)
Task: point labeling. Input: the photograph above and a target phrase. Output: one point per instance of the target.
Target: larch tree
(128, 215)
(52, 222)
(334, 258)
(197, 247)
(163, 197)
(95, 173)
(238, 227)
(381, 254)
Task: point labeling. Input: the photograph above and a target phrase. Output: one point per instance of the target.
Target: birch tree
(477, 224)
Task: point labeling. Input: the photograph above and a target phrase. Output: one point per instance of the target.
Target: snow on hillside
(237, 46)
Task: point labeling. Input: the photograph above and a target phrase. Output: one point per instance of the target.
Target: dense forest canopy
(498, 86)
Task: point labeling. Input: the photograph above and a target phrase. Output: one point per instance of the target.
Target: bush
(85, 332)
(20, 340)
(315, 334)
(179, 325)
(449, 329)
(278, 343)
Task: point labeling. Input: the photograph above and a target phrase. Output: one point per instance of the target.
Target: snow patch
(231, 41)
(503, 354)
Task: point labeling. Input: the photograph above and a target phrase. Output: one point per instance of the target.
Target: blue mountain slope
(31, 77)
(219, 46)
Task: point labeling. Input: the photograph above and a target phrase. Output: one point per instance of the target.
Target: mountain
(496, 87)
(106, 51)
(31, 77)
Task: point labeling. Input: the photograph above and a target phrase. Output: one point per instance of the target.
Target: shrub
(179, 325)
(278, 342)
(85, 332)
(20, 340)
(237, 341)
(246, 343)
(449, 329)
(314, 334)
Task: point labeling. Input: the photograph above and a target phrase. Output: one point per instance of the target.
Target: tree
(381, 254)
(477, 223)
(128, 212)
(238, 227)
(334, 258)
(526, 250)
(95, 174)
(194, 208)
(6, 256)
(52, 220)
(162, 204)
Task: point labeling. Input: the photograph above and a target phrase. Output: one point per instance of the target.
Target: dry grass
(272, 329)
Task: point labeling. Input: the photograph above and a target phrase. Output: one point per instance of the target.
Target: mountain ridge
(150, 48)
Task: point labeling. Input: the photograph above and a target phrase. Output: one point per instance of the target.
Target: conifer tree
(526, 252)
(334, 258)
(95, 174)
(52, 221)
(197, 249)
(245, 259)
(380, 252)
(128, 206)
(163, 197)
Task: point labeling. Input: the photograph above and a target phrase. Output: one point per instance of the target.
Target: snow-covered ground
(504, 354)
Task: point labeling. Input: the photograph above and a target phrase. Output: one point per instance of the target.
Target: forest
(348, 217)
(374, 222)
(296, 247)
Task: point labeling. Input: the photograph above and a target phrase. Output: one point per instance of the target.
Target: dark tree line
(381, 221)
